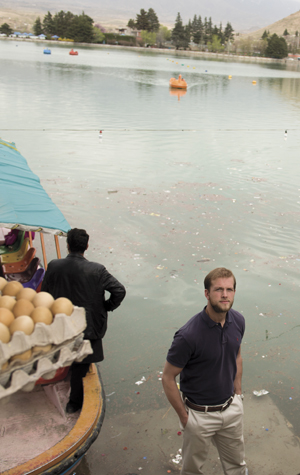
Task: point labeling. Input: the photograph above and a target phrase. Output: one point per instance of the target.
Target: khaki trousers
(224, 430)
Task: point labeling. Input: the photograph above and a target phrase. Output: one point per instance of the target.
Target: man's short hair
(77, 240)
(219, 272)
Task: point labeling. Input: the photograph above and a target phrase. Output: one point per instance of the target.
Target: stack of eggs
(22, 308)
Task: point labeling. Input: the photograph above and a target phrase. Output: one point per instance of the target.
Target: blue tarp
(24, 204)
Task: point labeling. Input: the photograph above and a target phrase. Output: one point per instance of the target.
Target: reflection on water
(200, 182)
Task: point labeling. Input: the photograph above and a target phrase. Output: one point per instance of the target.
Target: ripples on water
(206, 175)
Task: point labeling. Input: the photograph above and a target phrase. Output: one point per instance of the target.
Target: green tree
(37, 27)
(277, 47)
(81, 29)
(148, 37)
(99, 36)
(131, 24)
(48, 24)
(62, 22)
(163, 35)
(198, 30)
(265, 35)
(228, 33)
(153, 23)
(208, 31)
(215, 45)
(142, 22)
(285, 33)
(6, 29)
(178, 36)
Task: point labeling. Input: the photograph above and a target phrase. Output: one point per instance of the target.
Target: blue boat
(47, 51)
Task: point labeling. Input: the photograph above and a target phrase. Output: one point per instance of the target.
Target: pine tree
(142, 22)
(152, 20)
(48, 24)
(228, 32)
(131, 24)
(62, 22)
(37, 27)
(277, 47)
(81, 29)
(179, 37)
(6, 29)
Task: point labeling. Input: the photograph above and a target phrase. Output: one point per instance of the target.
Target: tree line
(201, 32)
(208, 37)
(79, 28)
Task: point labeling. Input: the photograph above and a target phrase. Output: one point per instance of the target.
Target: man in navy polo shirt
(206, 352)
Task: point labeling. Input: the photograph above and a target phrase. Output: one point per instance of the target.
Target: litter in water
(262, 392)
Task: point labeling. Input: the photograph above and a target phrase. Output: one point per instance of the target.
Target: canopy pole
(57, 247)
(44, 251)
(30, 238)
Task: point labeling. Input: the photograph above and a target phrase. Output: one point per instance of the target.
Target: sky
(242, 14)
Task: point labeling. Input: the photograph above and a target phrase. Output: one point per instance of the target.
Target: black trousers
(78, 371)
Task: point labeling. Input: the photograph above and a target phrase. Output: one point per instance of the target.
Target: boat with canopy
(37, 436)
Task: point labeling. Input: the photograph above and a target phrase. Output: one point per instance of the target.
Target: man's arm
(170, 387)
(115, 288)
(239, 372)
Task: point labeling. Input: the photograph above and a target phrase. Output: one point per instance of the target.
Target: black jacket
(84, 283)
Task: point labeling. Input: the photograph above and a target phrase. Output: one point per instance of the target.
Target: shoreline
(203, 54)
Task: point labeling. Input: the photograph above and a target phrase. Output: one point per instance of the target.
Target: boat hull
(63, 457)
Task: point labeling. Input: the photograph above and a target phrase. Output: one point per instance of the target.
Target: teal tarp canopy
(24, 204)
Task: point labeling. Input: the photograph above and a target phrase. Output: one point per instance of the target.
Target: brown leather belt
(221, 407)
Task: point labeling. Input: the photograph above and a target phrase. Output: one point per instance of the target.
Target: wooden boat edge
(67, 453)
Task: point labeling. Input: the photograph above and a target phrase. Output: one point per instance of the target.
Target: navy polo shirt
(207, 353)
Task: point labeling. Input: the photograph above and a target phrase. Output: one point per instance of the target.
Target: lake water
(177, 186)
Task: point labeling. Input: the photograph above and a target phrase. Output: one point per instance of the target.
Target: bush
(124, 40)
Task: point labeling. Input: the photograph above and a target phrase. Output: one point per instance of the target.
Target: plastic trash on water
(262, 392)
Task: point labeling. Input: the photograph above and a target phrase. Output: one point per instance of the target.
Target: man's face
(221, 294)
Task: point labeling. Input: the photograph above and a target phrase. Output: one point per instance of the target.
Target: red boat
(73, 53)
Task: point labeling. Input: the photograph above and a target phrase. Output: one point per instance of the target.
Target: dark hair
(216, 274)
(77, 240)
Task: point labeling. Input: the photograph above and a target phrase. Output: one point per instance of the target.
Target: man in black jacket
(84, 283)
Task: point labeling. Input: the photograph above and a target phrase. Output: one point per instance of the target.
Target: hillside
(243, 15)
(291, 23)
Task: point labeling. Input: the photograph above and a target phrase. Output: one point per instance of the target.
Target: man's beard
(219, 309)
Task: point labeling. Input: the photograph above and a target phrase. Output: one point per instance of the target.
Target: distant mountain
(242, 14)
(290, 23)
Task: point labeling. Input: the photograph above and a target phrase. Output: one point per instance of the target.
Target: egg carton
(63, 328)
(23, 376)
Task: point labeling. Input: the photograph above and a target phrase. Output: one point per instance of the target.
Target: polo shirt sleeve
(180, 352)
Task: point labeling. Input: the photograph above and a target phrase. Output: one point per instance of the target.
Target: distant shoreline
(204, 54)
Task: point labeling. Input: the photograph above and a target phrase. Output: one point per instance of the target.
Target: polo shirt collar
(211, 323)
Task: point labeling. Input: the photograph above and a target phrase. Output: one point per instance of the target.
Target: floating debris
(262, 392)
